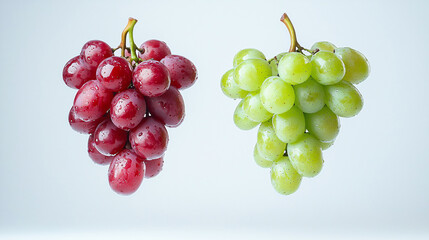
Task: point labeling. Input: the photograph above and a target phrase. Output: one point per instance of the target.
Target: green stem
(123, 45)
(133, 46)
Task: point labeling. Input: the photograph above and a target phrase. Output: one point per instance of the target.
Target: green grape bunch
(296, 99)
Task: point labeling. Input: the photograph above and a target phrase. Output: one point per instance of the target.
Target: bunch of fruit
(296, 100)
(125, 103)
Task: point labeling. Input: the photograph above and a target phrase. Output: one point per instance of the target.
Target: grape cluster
(125, 104)
(296, 100)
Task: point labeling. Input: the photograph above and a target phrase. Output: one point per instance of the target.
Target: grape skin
(323, 45)
(357, 66)
(269, 145)
(248, 53)
(324, 124)
(230, 88)
(276, 95)
(294, 68)
(343, 99)
(289, 126)
(306, 155)
(262, 162)
(327, 68)
(241, 120)
(309, 96)
(284, 178)
(250, 74)
(254, 109)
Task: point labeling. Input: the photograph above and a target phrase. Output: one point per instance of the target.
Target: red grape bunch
(125, 104)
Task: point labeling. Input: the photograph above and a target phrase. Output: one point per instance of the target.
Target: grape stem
(294, 45)
(123, 45)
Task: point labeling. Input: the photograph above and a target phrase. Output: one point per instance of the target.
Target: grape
(182, 71)
(309, 96)
(324, 124)
(326, 145)
(294, 68)
(95, 155)
(92, 101)
(343, 99)
(241, 120)
(153, 167)
(284, 178)
(269, 145)
(95, 51)
(76, 72)
(306, 155)
(149, 139)
(151, 78)
(248, 53)
(114, 73)
(126, 172)
(262, 162)
(81, 126)
(250, 74)
(323, 46)
(127, 109)
(154, 49)
(289, 126)
(276, 95)
(254, 109)
(169, 108)
(357, 66)
(230, 88)
(327, 68)
(275, 62)
(109, 140)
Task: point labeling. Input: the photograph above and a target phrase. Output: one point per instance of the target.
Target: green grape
(324, 124)
(306, 155)
(284, 178)
(357, 66)
(269, 145)
(294, 68)
(327, 68)
(309, 96)
(343, 99)
(276, 95)
(230, 88)
(326, 145)
(248, 53)
(324, 45)
(289, 126)
(262, 162)
(254, 109)
(250, 74)
(275, 62)
(241, 120)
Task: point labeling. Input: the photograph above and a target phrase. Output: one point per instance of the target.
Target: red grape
(95, 51)
(109, 140)
(126, 172)
(76, 72)
(92, 101)
(151, 78)
(154, 49)
(153, 167)
(149, 139)
(114, 73)
(127, 109)
(95, 155)
(169, 108)
(81, 126)
(183, 73)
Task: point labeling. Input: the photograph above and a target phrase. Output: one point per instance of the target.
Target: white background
(375, 180)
